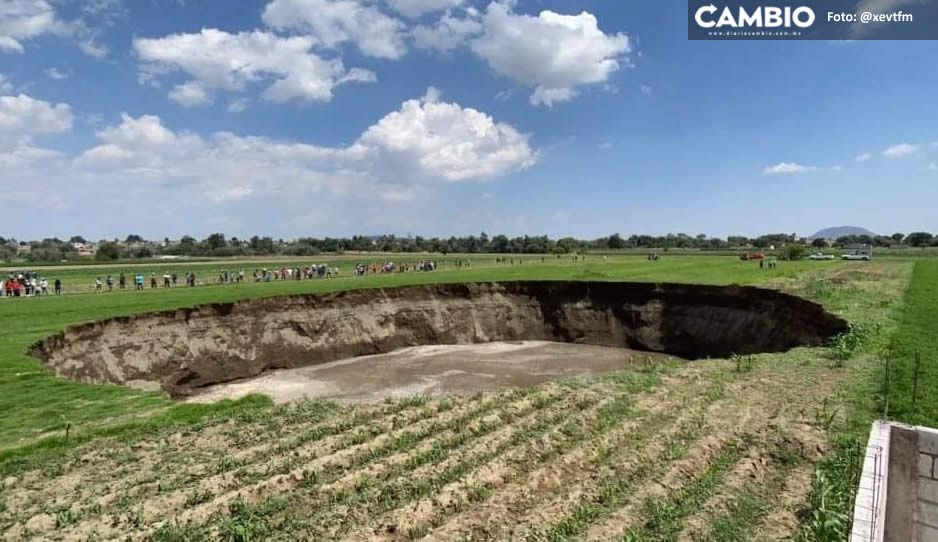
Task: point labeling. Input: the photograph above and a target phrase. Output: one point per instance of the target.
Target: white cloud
(92, 48)
(425, 142)
(900, 150)
(417, 8)
(21, 20)
(933, 167)
(788, 168)
(550, 96)
(646, 90)
(448, 142)
(218, 60)
(23, 116)
(333, 22)
(190, 94)
(237, 105)
(10, 45)
(448, 33)
(551, 53)
(403, 158)
(57, 74)
(838, 167)
(21, 119)
(6, 86)
(864, 157)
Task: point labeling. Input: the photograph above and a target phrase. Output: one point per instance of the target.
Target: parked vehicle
(860, 253)
(822, 256)
(856, 257)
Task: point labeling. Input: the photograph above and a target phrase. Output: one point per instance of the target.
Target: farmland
(721, 449)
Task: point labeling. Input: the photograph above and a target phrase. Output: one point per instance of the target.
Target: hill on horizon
(841, 231)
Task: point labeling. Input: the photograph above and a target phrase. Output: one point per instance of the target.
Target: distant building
(85, 249)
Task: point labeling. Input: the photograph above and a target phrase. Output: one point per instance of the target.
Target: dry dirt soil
(710, 450)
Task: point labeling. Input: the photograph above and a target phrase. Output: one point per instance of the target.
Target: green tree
(215, 241)
(615, 242)
(108, 251)
(793, 252)
(919, 239)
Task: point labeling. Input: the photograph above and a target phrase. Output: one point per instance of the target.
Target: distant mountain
(841, 231)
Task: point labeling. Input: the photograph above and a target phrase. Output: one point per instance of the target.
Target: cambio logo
(760, 17)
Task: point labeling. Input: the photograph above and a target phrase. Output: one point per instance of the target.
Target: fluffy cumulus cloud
(418, 8)
(24, 116)
(333, 22)
(551, 53)
(446, 141)
(782, 168)
(190, 94)
(23, 119)
(218, 60)
(900, 151)
(448, 33)
(22, 20)
(425, 142)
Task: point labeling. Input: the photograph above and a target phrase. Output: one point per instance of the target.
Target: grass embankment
(914, 352)
(711, 450)
(898, 337)
(37, 404)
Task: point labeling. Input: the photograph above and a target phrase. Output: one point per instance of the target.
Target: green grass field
(26, 388)
(807, 412)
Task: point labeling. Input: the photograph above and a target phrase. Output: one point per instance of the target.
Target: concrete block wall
(926, 506)
(897, 500)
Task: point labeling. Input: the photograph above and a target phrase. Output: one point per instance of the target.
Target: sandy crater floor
(433, 370)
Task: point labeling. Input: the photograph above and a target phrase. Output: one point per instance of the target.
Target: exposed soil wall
(185, 349)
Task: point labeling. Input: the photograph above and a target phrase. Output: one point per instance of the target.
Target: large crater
(184, 350)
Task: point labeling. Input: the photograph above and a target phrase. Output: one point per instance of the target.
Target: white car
(856, 257)
(820, 256)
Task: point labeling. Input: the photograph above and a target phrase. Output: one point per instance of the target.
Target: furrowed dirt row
(698, 452)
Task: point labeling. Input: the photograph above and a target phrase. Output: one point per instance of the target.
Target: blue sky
(437, 117)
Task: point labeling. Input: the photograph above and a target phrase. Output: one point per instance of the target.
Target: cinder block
(926, 465)
(927, 513)
(928, 490)
(926, 533)
(927, 441)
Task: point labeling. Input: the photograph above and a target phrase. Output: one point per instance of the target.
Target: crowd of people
(28, 284)
(139, 280)
(390, 267)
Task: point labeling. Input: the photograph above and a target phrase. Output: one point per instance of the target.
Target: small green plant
(827, 522)
(845, 345)
(744, 364)
(826, 414)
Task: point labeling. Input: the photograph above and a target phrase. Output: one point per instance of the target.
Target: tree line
(217, 244)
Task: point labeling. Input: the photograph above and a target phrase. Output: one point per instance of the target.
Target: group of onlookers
(170, 280)
(314, 271)
(28, 284)
(391, 267)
